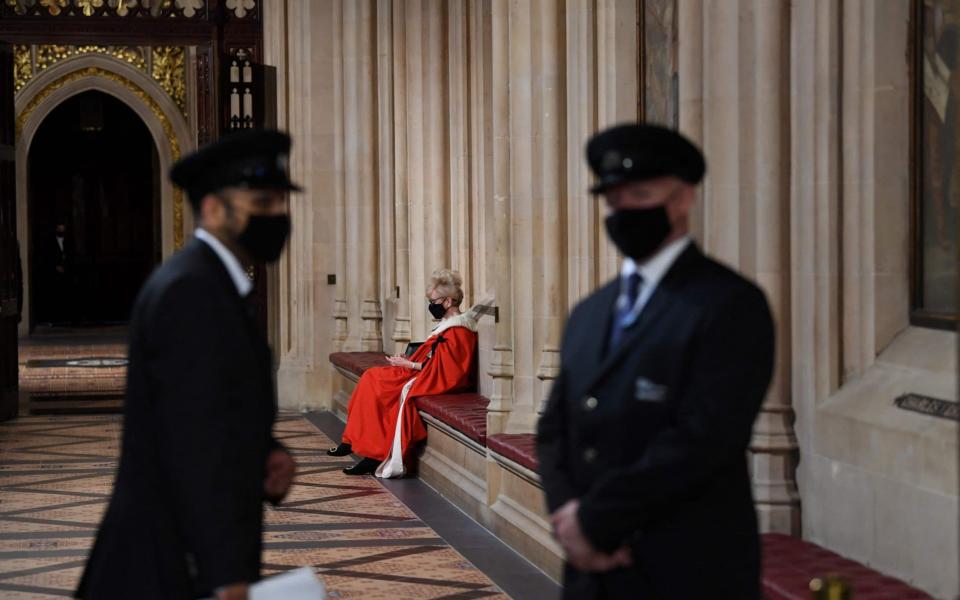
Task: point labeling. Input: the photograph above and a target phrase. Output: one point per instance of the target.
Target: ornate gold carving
(137, 91)
(18, 6)
(169, 69)
(49, 55)
(122, 6)
(89, 7)
(22, 66)
(188, 9)
(166, 64)
(54, 7)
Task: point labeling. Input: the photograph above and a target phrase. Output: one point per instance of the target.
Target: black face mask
(637, 233)
(436, 310)
(265, 236)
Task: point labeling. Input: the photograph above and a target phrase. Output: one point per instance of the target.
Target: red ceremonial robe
(382, 422)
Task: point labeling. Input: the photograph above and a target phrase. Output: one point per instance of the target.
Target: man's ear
(212, 211)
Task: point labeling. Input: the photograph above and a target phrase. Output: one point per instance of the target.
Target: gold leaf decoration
(49, 55)
(54, 7)
(122, 6)
(165, 64)
(22, 66)
(89, 6)
(169, 69)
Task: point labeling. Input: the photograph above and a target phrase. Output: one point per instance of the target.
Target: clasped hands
(401, 361)
(580, 553)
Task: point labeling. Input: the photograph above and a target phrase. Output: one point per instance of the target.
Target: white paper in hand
(298, 584)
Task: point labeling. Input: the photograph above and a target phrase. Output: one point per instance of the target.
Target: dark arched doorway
(93, 173)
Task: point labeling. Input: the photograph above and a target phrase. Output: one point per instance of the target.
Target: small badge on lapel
(649, 391)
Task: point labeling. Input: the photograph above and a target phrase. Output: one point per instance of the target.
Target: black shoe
(342, 450)
(364, 467)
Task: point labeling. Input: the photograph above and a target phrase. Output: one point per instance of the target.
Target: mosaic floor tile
(56, 473)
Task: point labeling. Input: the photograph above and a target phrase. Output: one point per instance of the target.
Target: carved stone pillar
(457, 197)
(401, 334)
(360, 193)
(618, 89)
(501, 363)
(549, 194)
(742, 74)
(581, 210)
(341, 312)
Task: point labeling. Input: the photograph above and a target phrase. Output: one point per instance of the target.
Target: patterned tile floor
(73, 370)
(56, 473)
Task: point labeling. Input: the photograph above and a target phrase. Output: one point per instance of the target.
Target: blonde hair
(447, 282)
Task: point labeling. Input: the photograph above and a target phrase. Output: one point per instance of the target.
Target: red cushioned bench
(790, 563)
(463, 415)
(353, 364)
(519, 448)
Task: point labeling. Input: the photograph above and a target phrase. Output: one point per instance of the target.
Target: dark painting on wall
(938, 156)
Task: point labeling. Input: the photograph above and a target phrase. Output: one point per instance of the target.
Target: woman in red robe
(382, 423)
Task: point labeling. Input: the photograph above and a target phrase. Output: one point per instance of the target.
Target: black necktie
(623, 315)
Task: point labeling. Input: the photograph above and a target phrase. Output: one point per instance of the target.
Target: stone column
(360, 195)
(501, 363)
(581, 211)
(416, 158)
(814, 212)
(436, 169)
(299, 41)
(690, 58)
(401, 335)
(618, 93)
(524, 121)
(740, 119)
(341, 311)
(481, 115)
(859, 198)
(774, 447)
(386, 168)
(458, 205)
(550, 193)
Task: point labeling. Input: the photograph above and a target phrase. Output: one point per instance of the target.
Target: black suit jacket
(651, 437)
(187, 507)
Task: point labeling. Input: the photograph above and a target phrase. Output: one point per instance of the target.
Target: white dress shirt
(233, 266)
(652, 272)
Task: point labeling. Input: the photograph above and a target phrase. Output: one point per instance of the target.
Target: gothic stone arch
(167, 126)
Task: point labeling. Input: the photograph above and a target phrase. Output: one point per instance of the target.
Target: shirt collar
(656, 267)
(233, 266)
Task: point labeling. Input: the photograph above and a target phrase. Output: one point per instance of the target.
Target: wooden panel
(10, 273)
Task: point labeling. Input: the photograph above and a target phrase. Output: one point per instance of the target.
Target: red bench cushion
(358, 362)
(521, 448)
(790, 563)
(467, 413)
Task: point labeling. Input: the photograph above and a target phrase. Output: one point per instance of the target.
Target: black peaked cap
(252, 158)
(638, 151)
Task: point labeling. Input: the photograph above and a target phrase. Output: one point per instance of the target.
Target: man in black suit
(57, 259)
(643, 442)
(198, 456)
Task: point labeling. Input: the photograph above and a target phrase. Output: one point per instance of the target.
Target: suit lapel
(219, 271)
(661, 300)
(594, 344)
